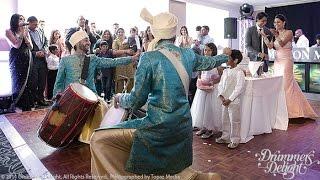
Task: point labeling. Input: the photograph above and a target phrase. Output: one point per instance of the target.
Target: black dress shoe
(42, 103)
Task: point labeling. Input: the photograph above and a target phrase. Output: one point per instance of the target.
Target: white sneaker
(222, 141)
(233, 145)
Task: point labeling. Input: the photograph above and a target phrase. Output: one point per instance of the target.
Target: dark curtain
(301, 16)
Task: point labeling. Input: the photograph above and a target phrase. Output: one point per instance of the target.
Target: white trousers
(231, 118)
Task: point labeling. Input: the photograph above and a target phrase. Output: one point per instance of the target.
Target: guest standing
(206, 107)
(39, 66)
(297, 104)
(184, 40)
(52, 64)
(19, 39)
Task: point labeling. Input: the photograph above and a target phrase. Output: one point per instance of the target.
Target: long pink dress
(297, 104)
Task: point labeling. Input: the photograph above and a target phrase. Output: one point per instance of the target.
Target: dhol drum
(114, 116)
(61, 126)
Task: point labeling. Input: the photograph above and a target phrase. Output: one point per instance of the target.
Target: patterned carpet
(10, 165)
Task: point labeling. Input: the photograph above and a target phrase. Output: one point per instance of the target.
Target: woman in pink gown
(297, 104)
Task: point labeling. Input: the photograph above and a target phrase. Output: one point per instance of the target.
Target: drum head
(84, 92)
(113, 116)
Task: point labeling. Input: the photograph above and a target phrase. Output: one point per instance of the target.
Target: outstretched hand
(135, 58)
(116, 101)
(227, 51)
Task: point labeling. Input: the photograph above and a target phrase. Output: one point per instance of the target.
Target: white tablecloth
(263, 107)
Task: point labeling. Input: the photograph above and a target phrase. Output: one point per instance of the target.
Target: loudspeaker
(230, 28)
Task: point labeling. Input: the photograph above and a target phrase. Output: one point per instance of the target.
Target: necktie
(262, 49)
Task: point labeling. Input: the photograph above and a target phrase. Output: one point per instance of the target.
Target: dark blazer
(35, 48)
(253, 44)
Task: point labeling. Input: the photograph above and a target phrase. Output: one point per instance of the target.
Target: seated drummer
(70, 69)
(161, 142)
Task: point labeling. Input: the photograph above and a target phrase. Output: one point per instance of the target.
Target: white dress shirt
(138, 42)
(232, 84)
(205, 40)
(302, 42)
(53, 62)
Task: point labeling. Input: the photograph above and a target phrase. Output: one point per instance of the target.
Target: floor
(242, 163)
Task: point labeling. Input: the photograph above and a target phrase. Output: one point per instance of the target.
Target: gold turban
(163, 26)
(77, 37)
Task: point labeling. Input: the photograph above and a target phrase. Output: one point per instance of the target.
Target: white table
(263, 107)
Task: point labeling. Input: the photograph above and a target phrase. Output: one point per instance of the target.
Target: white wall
(62, 14)
(217, 4)
(103, 13)
(7, 8)
(179, 9)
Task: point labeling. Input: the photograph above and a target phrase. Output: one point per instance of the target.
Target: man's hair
(236, 54)
(133, 30)
(104, 43)
(32, 19)
(198, 28)
(206, 27)
(261, 15)
(318, 36)
(52, 48)
(115, 24)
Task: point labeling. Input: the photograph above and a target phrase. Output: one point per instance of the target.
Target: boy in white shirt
(52, 64)
(231, 86)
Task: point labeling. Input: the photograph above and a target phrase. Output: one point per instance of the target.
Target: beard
(84, 47)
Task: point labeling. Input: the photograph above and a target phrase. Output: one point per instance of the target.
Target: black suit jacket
(35, 48)
(253, 44)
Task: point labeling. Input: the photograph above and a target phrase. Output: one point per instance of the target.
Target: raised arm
(203, 63)
(101, 62)
(142, 86)
(14, 41)
(288, 35)
(118, 53)
(267, 39)
(60, 79)
(27, 40)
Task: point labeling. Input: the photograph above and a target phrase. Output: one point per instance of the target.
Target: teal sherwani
(70, 70)
(162, 141)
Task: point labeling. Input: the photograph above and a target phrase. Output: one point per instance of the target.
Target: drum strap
(85, 69)
(177, 63)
